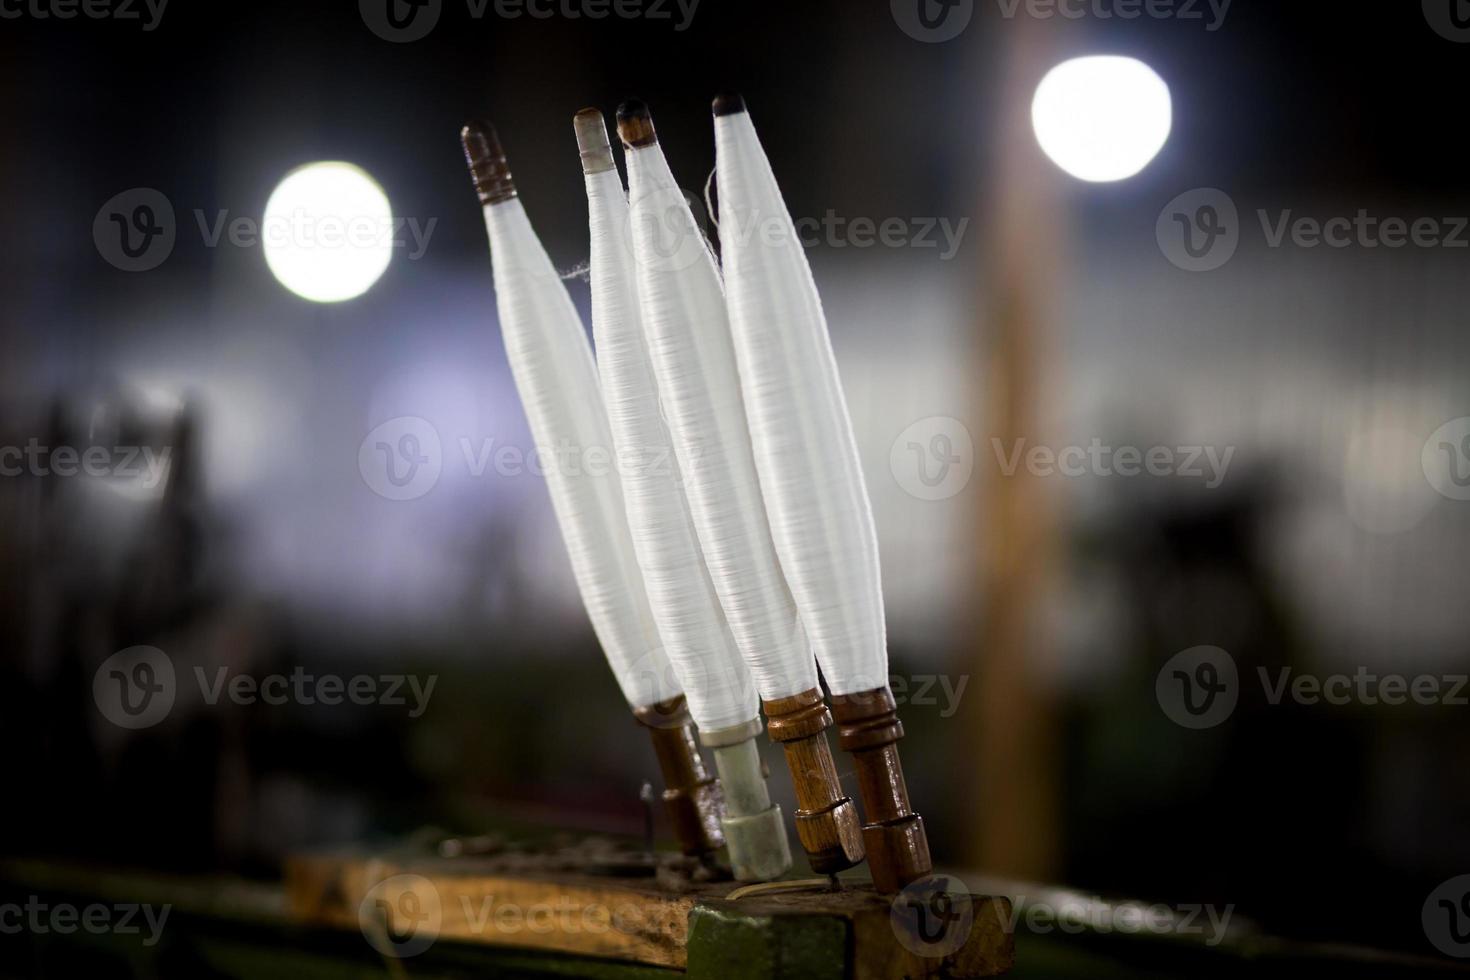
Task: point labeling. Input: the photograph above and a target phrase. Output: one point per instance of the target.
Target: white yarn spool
(689, 343)
(557, 380)
(716, 681)
(810, 474)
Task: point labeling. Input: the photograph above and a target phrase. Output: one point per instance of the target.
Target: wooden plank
(464, 899)
(657, 922)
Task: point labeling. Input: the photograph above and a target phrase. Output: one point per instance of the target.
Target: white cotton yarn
(688, 338)
(557, 380)
(720, 691)
(810, 474)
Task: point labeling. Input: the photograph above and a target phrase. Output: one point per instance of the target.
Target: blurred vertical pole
(1014, 733)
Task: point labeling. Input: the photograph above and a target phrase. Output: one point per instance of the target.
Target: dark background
(1325, 549)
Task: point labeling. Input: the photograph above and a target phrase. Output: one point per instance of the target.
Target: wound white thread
(810, 473)
(554, 372)
(719, 687)
(689, 344)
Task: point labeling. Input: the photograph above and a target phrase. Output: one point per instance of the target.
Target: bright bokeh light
(1102, 118)
(327, 231)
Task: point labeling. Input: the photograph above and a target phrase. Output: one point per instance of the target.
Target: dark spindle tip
(635, 124)
(486, 159)
(728, 104)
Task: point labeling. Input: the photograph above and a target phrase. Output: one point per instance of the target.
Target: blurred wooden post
(1013, 733)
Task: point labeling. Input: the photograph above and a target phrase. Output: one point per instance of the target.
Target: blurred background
(1104, 423)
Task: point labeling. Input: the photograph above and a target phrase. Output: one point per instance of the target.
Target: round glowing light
(1102, 118)
(327, 231)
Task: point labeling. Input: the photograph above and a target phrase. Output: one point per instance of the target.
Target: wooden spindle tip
(486, 159)
(635, 124)
(898, 853)
(694, 814)
(833, 839)
(592, 141)
(728, 104)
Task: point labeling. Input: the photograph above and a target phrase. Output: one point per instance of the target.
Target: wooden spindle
(826, 820)
(691, 795)
(868, 728)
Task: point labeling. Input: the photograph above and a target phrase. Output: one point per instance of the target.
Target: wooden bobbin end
(635, 124)
(486, 159)
(868, 727)
(691, 795)
(826, 820)
(592, 141)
